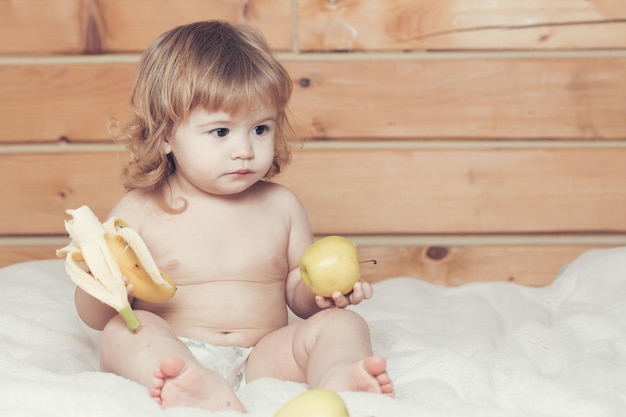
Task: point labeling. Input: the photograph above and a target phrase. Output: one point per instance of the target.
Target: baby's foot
(368, 375)
(177, 383)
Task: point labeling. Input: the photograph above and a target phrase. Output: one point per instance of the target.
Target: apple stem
(374, 261)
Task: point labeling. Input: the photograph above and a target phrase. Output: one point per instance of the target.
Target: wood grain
(62, 102)
(527, 98)
(13, 254)
(368, 191)
(459, 265)
(111, 26)
(404, 191)
(41, 186)
(105, 26)
(551, 98)
(408, 25)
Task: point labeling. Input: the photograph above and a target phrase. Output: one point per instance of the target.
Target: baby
(209, 131)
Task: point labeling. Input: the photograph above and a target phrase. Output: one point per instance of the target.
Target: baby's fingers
(323, 302)
(340, 300)
(362, 290)
(357, 294)
(368, 290)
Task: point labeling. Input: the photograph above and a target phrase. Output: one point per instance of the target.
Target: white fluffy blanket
(484, 349)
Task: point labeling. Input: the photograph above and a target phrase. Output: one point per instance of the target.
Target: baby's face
(220, 153)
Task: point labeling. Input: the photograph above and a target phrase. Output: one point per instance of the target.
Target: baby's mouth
(242, 172)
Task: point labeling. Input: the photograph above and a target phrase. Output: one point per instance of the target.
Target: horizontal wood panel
(62, 101)
(450, 266)
(368, 191)
(567, 98)
(10, 254)
(458, 265)
(59, 27)
(106, 26)
(460, 24)
(380, 191)
(39, 187)
(570, 98)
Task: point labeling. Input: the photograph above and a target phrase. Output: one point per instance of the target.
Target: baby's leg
(342, 358)
(156, 358)
(330, 350)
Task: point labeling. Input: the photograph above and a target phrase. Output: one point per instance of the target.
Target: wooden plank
(39, 187)
(450, 266)
(105, 26)
(403, 25)
(530, 98)
(417, 191)
(368, 191)
(13, 254)
(573, 98)
(131, 26)
(458, 265)
(55, 102)
(90, 26)
(58, 27)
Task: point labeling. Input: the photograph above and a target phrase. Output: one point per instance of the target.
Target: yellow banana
(111, 251)
(136, 263)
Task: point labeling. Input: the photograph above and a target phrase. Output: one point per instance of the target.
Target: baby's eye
(220, 132)
(260, 130)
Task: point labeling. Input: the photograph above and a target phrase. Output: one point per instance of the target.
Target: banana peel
(111, 251)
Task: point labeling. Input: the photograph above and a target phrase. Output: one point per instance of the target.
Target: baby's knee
(117, 328)
(113, 326)
(339, 317)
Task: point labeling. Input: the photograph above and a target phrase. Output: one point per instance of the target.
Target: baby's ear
(166, 148)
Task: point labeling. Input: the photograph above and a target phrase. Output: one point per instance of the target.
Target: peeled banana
(111, 251)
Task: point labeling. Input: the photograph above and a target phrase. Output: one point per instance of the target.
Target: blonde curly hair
(215, 65)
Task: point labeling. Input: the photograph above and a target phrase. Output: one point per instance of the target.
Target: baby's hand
(362, 290)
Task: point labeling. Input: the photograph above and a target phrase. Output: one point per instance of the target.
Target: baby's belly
(223, 313)
(232, 337)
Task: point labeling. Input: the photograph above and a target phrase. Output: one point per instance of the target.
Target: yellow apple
(314, 403)
(330, 264)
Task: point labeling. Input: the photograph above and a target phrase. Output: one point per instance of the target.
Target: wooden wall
(453, 140)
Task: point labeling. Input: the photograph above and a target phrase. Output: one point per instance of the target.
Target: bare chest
(221, 248)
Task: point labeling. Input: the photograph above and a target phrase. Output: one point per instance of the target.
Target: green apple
(314, 403)
(330, 264)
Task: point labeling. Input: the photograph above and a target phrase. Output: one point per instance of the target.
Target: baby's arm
(92, 311)
(297, 295)
(299, 298)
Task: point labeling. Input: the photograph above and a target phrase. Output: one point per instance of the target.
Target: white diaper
(228, 361)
